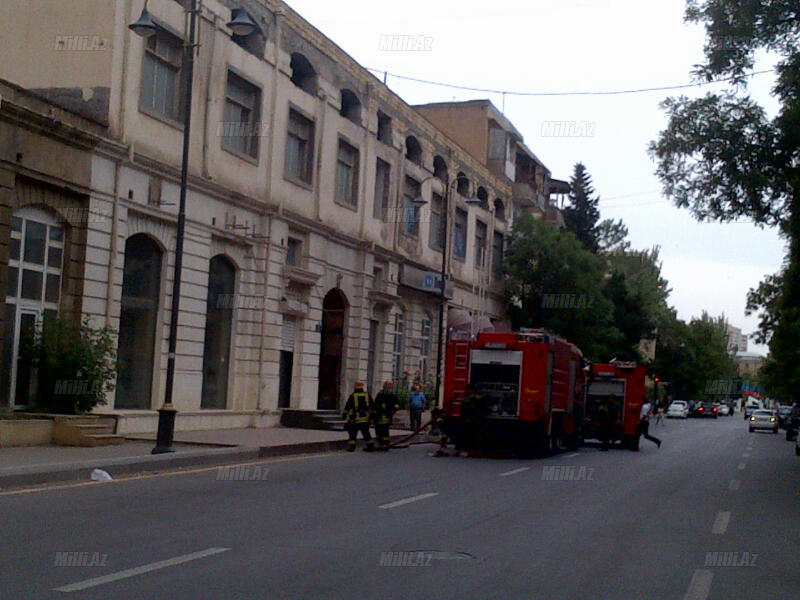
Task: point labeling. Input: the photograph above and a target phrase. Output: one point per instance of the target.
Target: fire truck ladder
(461, 370)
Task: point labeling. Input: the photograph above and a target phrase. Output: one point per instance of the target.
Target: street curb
(12, 477)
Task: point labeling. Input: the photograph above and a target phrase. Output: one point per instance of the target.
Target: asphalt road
(601, 525)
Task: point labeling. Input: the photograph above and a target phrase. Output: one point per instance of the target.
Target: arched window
(220, 303)
(483, 196)
(304, 75)
(462, 184)
(35, 259)
(440, 168)
(413, 150)
(351, 107)
(499, 210)
(138, 320)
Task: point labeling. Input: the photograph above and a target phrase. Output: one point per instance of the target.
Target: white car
(678, 410)
(724, 410)
(763, 419)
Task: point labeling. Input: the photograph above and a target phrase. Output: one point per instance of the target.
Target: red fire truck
(531, 386)
(623, 382)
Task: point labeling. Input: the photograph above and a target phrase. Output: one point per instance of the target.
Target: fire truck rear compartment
(495, 374)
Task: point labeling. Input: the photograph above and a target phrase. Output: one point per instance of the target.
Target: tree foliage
(76, 365)
(555, 283)
(582, 214)
(724, 158)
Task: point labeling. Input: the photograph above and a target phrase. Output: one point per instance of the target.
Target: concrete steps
(330, 420)
(86, 430)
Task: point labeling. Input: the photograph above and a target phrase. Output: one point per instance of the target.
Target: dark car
(784, 413)
(793, 423)
(705, 409)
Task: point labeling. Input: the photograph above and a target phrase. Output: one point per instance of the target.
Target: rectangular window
(497, 253)
(397, 347)
(425, 346)
(460, 234)
(299, 147)
(384, 128)
(294, 248)
(163, 77)
(411, 191)
(436, 233)
(380, 207)
(240, 120)
(377, 278)
(480, 243)
(347, 174)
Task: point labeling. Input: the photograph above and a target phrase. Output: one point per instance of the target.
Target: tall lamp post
(448, 186)
(146, 27)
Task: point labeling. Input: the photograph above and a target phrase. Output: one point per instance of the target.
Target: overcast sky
(577, 45)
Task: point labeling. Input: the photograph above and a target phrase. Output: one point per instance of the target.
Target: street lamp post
(448, 184)
(146, 27)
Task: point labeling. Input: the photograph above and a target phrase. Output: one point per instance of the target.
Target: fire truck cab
(623, 382)
(529, 384)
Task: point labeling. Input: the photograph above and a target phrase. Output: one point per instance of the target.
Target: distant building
(748, 363)
(737, 341)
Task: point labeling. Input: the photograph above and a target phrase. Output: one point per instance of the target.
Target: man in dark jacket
(386, 405)
(358, 414)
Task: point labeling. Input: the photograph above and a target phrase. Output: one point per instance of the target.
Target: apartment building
(314, 209)
(737, 341)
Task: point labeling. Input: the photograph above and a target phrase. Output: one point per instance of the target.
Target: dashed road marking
(571, 455)
(741, 466)
(734, 484)
(397, 503)
(700, 586)
(721, 522)
(162, 564)
(746, 455)
(514, 472)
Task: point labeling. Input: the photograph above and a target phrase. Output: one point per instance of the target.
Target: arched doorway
(331, 349)
(219, 324)
(138, 319)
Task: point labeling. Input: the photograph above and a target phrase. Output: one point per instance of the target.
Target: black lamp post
(448, 184)
(146, 27)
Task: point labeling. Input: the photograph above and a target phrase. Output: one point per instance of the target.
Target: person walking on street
(386, 405)
(644, 423)
(416, 404)
(358, 414)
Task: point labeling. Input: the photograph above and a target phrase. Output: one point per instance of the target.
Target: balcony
(527, 197)
(300, 276)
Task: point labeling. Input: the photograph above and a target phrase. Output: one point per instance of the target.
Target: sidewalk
(31, 465)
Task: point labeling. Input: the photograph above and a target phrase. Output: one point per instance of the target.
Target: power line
(600, 93)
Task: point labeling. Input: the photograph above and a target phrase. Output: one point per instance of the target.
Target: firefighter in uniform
(473, 409)
(358, 414)
(386, 405)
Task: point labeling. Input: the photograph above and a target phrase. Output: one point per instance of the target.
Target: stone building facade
(309, 260)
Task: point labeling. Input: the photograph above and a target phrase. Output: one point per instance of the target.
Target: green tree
(76, 365)
(554, 283)
(582, 214)
(611, 236)
(722, 157)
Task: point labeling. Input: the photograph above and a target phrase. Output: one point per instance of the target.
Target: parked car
(793, 423)
(724, 410)
(784, 412)
(705, 409)
(763, 419)
(678, 410)
(796, 446)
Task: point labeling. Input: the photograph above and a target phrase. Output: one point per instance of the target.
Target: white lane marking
(514, 472)
(741, 466)
(408, 500)
(162, 564)
(721, 522)
(700, 586)
(734, 484)
(571, 455)
(746, 455)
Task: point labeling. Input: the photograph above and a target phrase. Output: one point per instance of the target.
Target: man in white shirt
(644, 423)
